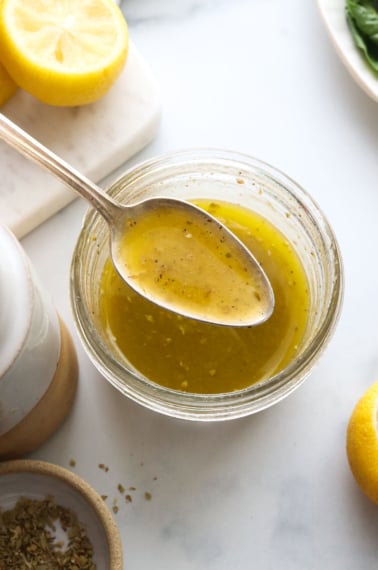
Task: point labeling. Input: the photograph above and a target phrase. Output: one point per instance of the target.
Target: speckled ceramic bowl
(38, 479)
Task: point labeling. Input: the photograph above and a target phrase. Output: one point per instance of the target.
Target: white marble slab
(96, 139)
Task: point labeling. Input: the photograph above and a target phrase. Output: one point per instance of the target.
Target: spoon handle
(31, 148)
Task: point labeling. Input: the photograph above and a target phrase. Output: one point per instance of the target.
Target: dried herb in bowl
(29, 538)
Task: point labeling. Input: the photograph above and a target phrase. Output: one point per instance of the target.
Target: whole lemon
(362, 443)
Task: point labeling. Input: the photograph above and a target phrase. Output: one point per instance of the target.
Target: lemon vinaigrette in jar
(189, 355)
(197, 371)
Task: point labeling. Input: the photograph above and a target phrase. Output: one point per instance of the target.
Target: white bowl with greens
(353, 28)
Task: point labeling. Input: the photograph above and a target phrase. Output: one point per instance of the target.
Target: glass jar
(239, 179)
(38, 364)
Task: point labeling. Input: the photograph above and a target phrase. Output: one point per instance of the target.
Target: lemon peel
(7, 86)
(64, 52)
(362, 443)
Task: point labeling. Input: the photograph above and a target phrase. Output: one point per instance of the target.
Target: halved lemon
(7, 86)
(64, 52)
(362, 443)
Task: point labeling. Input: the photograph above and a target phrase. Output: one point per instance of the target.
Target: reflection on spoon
(169, 250)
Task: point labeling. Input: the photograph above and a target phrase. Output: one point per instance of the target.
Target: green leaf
(368, 48)
(365, 16)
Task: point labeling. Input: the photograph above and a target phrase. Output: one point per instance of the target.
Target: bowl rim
(38, 467)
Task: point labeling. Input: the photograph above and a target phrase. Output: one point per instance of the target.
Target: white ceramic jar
(38, 364)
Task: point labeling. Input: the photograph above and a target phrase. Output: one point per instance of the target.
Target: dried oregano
(28, 538)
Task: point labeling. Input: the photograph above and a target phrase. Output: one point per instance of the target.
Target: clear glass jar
(236, 178)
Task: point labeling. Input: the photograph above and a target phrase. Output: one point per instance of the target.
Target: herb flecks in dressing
(197, 357)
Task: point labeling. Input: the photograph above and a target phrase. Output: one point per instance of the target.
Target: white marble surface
(272, 491)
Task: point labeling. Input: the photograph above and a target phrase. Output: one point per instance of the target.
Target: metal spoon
(120, 217)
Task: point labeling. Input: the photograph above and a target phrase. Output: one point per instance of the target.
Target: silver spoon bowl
(120, 217)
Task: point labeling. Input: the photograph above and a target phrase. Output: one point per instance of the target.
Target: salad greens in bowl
(353, 29)
(362, 16)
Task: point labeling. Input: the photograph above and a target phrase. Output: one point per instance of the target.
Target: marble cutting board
(96, 139)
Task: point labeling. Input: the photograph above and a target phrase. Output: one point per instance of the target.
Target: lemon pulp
(188, 355)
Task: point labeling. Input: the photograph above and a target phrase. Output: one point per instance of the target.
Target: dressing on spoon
(170, 251)
(185, 261)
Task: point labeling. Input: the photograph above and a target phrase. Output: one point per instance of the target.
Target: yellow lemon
(7, 86)
(362, 443)
(64, 52)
